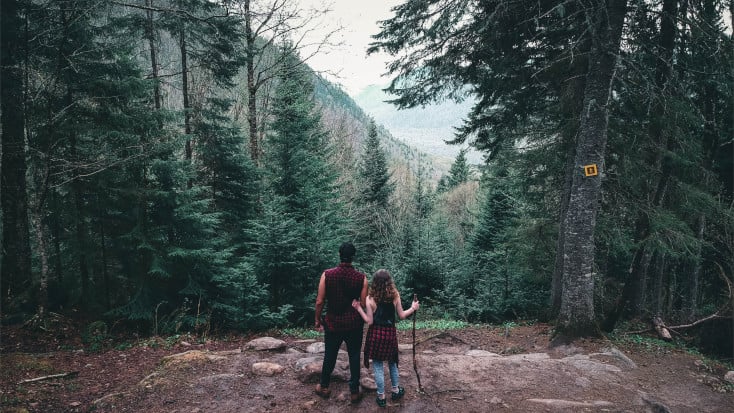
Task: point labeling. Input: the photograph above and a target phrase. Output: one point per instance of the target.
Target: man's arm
(363, 294)
(320, 297)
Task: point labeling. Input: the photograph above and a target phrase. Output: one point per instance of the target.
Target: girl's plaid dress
(382, 338)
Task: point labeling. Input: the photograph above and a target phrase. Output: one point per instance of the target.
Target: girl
(381, 343)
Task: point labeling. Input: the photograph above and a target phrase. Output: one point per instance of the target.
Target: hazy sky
(359, 21)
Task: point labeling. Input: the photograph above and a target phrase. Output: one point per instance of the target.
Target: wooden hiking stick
(415, 366)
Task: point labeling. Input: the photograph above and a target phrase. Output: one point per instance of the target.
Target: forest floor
(475, 369)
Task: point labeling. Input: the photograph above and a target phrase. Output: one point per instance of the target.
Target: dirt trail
(471, 370)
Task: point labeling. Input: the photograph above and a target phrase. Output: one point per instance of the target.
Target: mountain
(427, 128)
(346, 114)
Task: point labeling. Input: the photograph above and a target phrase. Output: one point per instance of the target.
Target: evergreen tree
(373, 200)
(300, 195)
(458, 173)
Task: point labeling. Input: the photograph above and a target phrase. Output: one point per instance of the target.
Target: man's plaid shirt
(343, 284)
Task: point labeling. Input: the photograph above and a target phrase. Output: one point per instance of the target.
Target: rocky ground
(478, 369)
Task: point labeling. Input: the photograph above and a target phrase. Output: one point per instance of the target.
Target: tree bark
(251, 85)
(15, 275)
(150, 35)
(186, 103)
(571, 106)
(576, 316)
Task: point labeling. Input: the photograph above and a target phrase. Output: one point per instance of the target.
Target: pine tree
(300, 195)
(458, 173)
(373, 199)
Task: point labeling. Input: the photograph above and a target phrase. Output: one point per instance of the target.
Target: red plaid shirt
(343, 284)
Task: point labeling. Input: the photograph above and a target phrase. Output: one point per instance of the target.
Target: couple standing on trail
(345, 291)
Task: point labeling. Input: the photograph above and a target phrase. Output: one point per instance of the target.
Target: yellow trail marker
(591, 170)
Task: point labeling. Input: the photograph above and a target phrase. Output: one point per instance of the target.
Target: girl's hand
(415, 305)
(356, 304)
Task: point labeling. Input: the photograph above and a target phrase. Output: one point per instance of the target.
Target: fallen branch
(697, 322)
(662, 325)
(51, 376)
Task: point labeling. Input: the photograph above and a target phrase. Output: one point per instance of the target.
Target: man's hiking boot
(322, 392)
(356, 397)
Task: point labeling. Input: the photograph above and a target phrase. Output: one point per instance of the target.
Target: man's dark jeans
(332, 341)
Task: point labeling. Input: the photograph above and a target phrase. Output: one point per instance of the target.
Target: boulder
(266, 344)
(317, 347)
(267, 369)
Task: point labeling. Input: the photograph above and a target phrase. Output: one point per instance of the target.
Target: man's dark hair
(346, 252)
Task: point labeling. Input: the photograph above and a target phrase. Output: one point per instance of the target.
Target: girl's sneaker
(381, 402)
(397, 395)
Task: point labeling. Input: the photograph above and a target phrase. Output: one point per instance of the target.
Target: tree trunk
(16, 251)
(571, 109)
(43, 258)
(105, 273)
(81, 228)
(251, 86)
(56, 234)
(150, 35)
(658, 295)
(186, 104)
(557, 280)
(576, 316)
(691, 293)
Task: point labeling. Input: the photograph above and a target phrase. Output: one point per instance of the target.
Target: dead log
(51, 376)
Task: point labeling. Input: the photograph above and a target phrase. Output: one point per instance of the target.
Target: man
(337, 288)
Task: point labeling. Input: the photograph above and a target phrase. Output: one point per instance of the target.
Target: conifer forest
(177, 166)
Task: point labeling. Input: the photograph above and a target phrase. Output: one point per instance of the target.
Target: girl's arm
(365, 313)
(399, 307)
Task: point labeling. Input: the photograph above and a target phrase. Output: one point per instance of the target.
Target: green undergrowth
(654, 345)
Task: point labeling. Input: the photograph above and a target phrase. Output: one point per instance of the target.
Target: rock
(729, 377)
(185, 344)
(228, 352)
(317, 347)
(308, 405)
(303, 362)
(368, 383)
(190, 356)
(266, 344)
(655, 405)
(403, 348)
(308, 369)
(341, 371)
(267, 369)
(618, 355)
(496, 400)
(571, 404)
(583, 382)
(481, 353)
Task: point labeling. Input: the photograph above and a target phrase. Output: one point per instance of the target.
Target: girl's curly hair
(382, 288)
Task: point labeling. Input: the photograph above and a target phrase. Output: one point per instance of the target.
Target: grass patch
(441, 324)
(300, 332)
